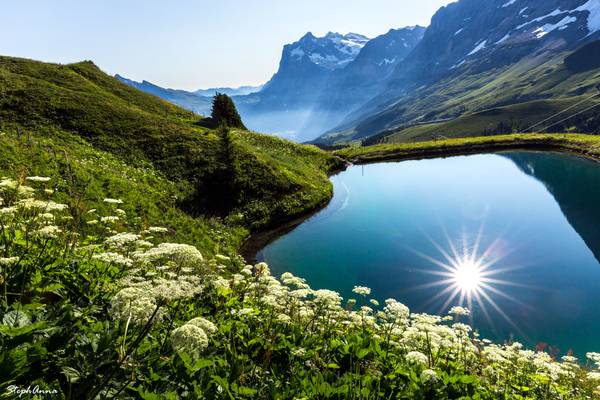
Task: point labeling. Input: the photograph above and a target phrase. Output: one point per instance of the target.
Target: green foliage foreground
(117, 311)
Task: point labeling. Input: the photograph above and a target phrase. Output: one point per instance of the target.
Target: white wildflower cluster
(166, 272)
(133, 304)
(122, 240)
(113, 201)
(42, 179)
(48, 232)
(416, 357)
(184, 255)
(10, 187)
(191, 339)
(114, 258)
(8, 261)
(362, 290)
(459, 311)
(110, 219)
(157, 229)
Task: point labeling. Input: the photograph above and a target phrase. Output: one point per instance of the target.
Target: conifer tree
(225, 113)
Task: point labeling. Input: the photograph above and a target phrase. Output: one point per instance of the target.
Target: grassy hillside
(77, 111)
(586, 145)
(517, 117)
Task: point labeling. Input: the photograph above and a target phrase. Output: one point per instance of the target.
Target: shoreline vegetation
(583, 145)
(120, 275)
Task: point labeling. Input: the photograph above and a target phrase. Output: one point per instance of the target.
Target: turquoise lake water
(531, 219)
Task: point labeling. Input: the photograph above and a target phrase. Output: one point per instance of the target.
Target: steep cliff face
(363, 78)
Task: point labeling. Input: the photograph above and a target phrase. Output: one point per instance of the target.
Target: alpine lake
(513, 236)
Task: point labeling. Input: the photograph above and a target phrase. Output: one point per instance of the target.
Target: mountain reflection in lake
(515, 234)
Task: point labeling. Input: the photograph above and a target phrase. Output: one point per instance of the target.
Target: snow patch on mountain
(523, 10)
(560, 25)
(350, 44)
(504, 39)
(593, 7)
(297, 53)
(458, 64)
(386, 61)
(458, 31)
(554, 13)
(478, 48)
(510, 3)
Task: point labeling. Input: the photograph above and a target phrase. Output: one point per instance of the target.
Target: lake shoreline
(564, 144)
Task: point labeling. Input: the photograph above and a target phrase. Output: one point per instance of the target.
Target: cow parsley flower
(6, 261)
(113, 258)
(190, 340)
(242, 312)
(594, 357)
(416, 357)
(284, 319)
(262, 269)
(113, 201)
(134, 303)
(203, 323)
(362, 290)
(429, 377)
(299, 352)
(180, 253)
(593, 376)
(459, 311)
(38, 179)
(48, 206)
(395, 311)
(327, 297)
(122, 240)
(157, 229)
(48, 232)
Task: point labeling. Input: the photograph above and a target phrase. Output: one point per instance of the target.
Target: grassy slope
(79, 109)
(586, 145)
(536, 78)
(524, 114)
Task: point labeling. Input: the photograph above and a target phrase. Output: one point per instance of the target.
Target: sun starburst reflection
(469, 277)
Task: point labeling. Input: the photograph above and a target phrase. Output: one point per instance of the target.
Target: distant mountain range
(199, 101)
(475, 55)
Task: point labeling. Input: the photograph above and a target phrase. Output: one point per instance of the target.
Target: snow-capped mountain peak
(332, 51)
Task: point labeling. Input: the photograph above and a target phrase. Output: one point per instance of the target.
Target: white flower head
(362, 290)
(113, 201)
(6, 261)
(429, 377)
(38, 179)
(416, 357)
(133, 303)
(190, 340)
(203, 323)
(457, 310)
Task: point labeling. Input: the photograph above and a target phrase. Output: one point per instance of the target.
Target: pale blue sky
(190, 44)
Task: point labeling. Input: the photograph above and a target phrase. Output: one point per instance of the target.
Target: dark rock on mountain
(584, 59)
